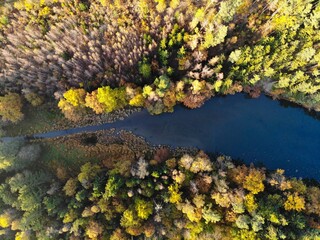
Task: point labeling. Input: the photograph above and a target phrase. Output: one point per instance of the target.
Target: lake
(254, 130)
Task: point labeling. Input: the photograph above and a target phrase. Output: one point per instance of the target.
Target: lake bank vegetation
(83, 188)
(99, 55)
(96, 57)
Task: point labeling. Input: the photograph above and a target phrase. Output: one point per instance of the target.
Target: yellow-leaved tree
(10, 107)
(76, 97)
(175, 195)
(250, 203)
(94, 230)
(294, 202)
(5, 220)
(73, 104)
(254, 181)
(135, 96)
(112, 99)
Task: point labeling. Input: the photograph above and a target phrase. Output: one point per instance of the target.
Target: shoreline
(92, 119)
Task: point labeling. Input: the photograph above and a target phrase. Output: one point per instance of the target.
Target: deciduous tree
(11, 107)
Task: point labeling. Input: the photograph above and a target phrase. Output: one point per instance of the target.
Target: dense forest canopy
(160, 52)
(160, 194)
(98, 56)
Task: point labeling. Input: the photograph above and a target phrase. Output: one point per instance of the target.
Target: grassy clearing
(64, 159)
(48, 117)
(40, 119)
(64, 156)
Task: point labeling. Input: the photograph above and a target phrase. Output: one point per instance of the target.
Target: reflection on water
(288, 104)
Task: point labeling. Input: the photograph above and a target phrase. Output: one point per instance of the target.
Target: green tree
(145, 69)
(31, 188)
(70, 187)
(87, 174)
(129, 219)
(243, 222)
(8, 153)
(144, 208)
(15, 155)
(113, 185)
(54, 204)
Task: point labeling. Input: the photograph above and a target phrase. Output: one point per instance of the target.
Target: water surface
(254, 130)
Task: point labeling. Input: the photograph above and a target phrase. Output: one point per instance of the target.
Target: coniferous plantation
(72, 63)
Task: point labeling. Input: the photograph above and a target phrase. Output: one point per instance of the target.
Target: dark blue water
(254, 130)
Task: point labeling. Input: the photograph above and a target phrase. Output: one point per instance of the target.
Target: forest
(98, 56)
(151, 193)
(66, 63)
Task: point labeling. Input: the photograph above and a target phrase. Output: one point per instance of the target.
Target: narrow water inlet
(260, 130)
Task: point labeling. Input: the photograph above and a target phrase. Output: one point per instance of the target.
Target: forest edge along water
(260, 130)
